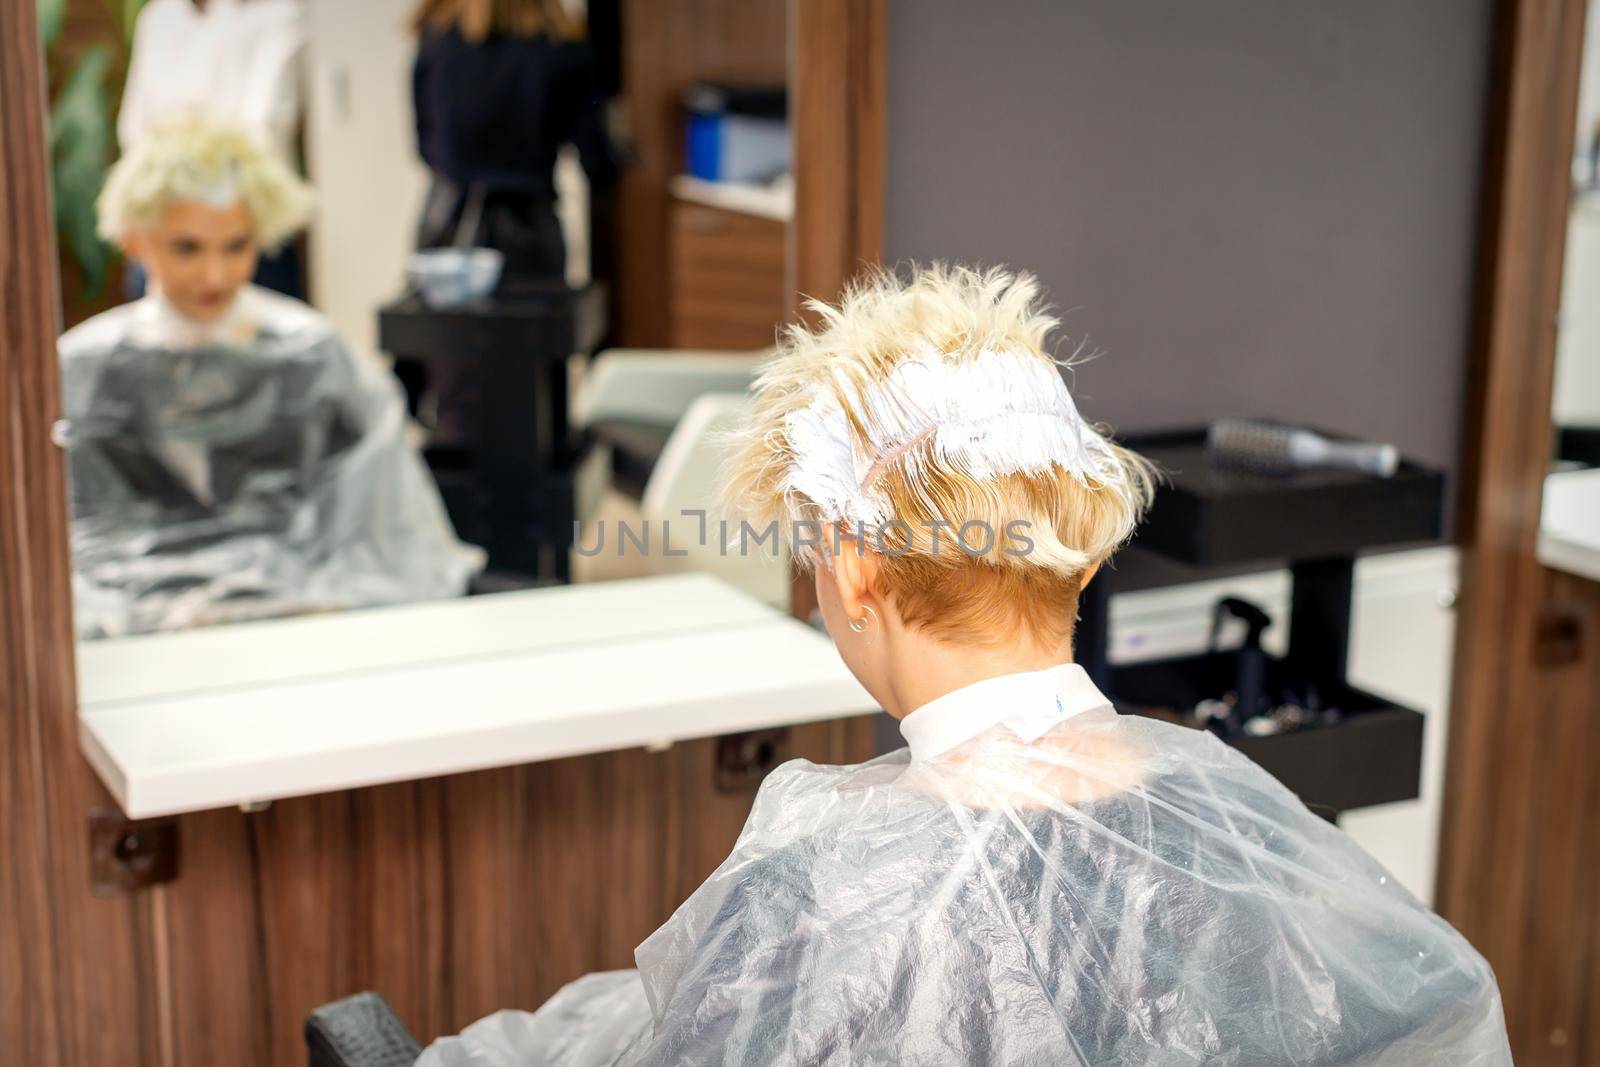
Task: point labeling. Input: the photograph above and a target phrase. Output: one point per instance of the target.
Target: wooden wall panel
(838, 97)
(305, 950)
(404, 901)
(838, 92)
(1548, 1000)
(216, 944)
(71, 989)
(1517, 866)
(453, 898)
(1528, 894)
(638, 841)
(1587, 1043)
(559, 860)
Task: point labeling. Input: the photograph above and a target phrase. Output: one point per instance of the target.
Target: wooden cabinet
(724, 278)
(453, 897)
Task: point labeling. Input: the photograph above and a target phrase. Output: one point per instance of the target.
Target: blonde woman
(230, 458)
(239, 62)
(1034, 879)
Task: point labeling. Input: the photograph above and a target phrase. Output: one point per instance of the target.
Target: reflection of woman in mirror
(236, 61)
(230, 457)
(499, 87)
(1036, 879)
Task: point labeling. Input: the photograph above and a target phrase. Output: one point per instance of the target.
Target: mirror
(543, 254)
(1570, 519)
(1575, 403)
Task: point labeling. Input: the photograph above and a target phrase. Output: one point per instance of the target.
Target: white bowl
(449, 276)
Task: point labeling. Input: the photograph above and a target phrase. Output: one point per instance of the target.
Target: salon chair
(359, 1031)
(632, 398)
(685, 485)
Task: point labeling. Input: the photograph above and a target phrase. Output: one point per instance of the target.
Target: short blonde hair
(199, 159)
(1073, 520)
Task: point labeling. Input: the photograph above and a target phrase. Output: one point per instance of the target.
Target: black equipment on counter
(1249, 684)
(1336, 746)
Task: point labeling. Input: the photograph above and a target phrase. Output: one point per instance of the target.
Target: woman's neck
(921, 668)
(159, 321)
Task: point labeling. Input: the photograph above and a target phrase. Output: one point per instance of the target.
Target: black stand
(1319, 618)
(507, 476)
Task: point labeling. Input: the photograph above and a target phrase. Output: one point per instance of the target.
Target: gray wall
(1252, 206)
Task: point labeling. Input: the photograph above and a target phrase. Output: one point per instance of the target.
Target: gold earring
(868, 617)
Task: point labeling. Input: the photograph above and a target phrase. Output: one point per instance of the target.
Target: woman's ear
(855, 572)
(1088, 575)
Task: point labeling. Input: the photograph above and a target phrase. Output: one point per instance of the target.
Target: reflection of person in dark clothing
(499, 87)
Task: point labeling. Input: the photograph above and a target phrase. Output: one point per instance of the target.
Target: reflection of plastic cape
(1044, 882)
(250, 469)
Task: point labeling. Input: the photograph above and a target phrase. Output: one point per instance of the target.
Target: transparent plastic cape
(252, 468)
(1116, 891)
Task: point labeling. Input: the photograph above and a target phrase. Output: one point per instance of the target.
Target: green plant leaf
(52, 13)
(130, 15)
(80, 150)
(126, 12)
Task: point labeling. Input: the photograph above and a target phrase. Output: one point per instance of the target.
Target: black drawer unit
(1372, 756)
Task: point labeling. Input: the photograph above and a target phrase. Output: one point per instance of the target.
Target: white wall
(361, 155)
(1576, 397)
(1589, 81)
(1402, 645)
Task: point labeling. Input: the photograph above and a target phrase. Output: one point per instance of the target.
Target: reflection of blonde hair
(477, 20)
(198, 159)
(947, 344)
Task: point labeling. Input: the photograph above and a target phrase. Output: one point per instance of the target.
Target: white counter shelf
(247, 713)
(1569, 524)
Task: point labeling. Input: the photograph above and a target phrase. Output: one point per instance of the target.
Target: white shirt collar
(1028, 704)
(157, 323)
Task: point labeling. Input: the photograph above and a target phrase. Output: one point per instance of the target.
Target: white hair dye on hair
(997, 413)
(925, 397)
